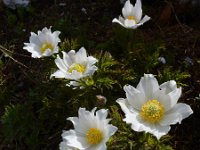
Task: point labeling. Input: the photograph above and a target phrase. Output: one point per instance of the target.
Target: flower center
(152, 111)
(94, 136)
(131, 18)
(46, 46)
(78, 67)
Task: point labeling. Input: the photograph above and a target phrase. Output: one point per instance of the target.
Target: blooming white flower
(162, 60)
(132, 16)
(45, 43)
(153, 108)
(16, 3)
(75, 66)
(91, 132)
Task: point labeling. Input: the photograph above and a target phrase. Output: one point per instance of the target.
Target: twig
(8, 53)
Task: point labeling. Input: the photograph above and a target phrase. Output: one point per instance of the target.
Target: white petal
(74, 84)
(60, 64)
(115, 20)
(34, 49)
(81, 56)
(93, 111)
(91, 60)
(124, 105)
(131, 116)
(121, 19)
(45, 30)
(168, 94)
(168, 86)
(72, 54)
(31, 47)
(78, 126)
(34, 55)
(55, 50)
(135, 98)
(168, 100)
(86, 118)
(127, 9)
(55, 36)
(112, 129)
(90, 71)
(43, 37)
(58, 74)
(155, 129)
(179, 112)
(75, 139)
(160, 131)
(63, 146)
(67, 60)
(138, 10)
(102, 114)
(145, 19)
(34, 39)
(74, 120)
(148, 85)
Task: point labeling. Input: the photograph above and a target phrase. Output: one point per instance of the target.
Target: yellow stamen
(94, 136)
(46, 46)
(131, 18)
(152, 111)
(78, 67)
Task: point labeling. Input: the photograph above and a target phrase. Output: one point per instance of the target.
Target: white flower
(91, 132)
(16, 3)
(153, 108)
(162, 60)
(132, 16)
(75, 66)
(84, 10)
(45, 43)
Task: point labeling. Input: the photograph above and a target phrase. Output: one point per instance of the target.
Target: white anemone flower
(153, 108)
(91, 130)
(75, 66)
(132, 16)
(45, 43)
